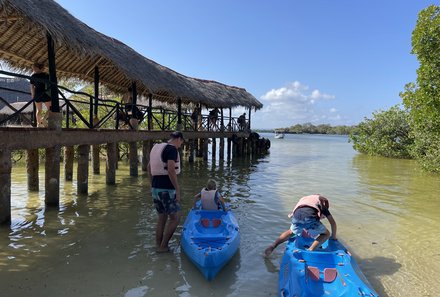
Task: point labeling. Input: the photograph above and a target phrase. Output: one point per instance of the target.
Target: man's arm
(173, 177)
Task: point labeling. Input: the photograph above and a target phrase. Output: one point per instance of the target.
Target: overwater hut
(43, 31)
(28, 26)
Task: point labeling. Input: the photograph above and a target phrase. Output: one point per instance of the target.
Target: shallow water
(102, 244)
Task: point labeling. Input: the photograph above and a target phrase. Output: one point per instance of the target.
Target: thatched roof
(79, 48)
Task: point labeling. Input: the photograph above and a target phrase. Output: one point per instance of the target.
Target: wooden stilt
(133, 158)
(229, 149)
(110, 170)
(5, 186)
(32, 167)
(222, 149)
(205, 149)
(69, 155)
(83, 169)
(214, 148)
(95, 158)
(52, 176)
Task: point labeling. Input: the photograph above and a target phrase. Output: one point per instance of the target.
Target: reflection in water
(102, 244)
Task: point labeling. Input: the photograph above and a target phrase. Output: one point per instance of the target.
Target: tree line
(309, 128)
(411, 129)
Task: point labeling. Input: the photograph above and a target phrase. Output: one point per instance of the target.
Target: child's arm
(222, 202)
(333, 226)
(197, 198)
(282, 238)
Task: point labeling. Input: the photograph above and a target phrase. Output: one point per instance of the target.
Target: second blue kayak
(210, 238)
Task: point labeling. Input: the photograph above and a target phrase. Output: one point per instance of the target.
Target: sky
(308, 61)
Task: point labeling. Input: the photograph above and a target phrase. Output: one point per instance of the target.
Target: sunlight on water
(102, 244)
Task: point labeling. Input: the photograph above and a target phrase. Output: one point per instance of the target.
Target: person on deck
(306, 216)
(242, 121)
(164, 166)
(213, 117)
(39, 92)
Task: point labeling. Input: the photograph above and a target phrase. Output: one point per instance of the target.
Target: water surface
(102, 244)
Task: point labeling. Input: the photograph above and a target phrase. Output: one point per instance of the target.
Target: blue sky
(321, 61)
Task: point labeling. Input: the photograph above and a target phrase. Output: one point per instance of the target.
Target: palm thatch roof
(24, 25)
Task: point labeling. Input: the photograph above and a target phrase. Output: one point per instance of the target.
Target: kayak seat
(216, 222)
(313, 272)
(330, 274)
(204, 222)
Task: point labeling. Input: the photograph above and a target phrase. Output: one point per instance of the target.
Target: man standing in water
(164, 167)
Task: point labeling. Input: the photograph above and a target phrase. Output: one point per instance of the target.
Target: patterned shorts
(312, 225)
(165, 200)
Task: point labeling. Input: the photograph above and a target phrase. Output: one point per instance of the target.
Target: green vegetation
(386, 134)
(423, 97)
(414, 132)
(309, 128)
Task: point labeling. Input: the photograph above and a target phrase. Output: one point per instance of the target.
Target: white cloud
(292, 104)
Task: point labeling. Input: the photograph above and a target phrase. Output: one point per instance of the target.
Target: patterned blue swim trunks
(165, 200)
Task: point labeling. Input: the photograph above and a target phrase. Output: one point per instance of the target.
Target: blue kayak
(210, 238)
(327, 271)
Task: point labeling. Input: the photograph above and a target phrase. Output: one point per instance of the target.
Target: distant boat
(279, 134)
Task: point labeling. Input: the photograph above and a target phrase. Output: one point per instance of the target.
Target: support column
(110, 170)
(214, 148)
(222, 149)
(192, 144)
(150, 112)
(229, 149)
(205, 149)
(179, 114)
(133, 158)
(95, 158)
(69, 155)
(52, 164)
(146, 148)
(82, 174)
(32, 166)
(5, 186)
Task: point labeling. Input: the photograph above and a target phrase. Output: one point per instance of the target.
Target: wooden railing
(81, 110)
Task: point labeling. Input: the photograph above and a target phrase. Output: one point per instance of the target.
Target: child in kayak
(306, 216)
(210, 197)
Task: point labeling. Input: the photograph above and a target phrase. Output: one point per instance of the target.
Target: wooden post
(55, 105)
(96, 84)
(32, 164)
(214, 148)
(192, 144)
(222, 149)
(52, 176)
(69, 155)
(146, 148)
(133, 158)
(150, 112)
(95, 158)
(83, 169)
(5, 186)
(110, 171)
(200, 144)
(229, 149)
(249, 122)
(230, 120)
(179, 114)
(205, 149)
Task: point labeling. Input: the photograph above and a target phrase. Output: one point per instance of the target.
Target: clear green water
(102, 244)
